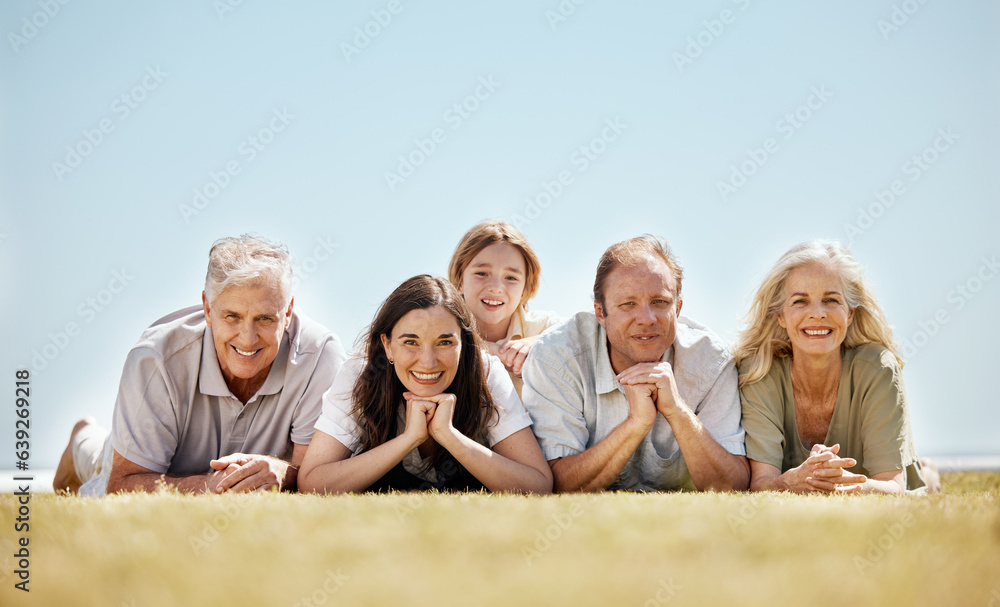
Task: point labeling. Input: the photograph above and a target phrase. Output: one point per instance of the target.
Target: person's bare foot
(931, 475)
(66, 479)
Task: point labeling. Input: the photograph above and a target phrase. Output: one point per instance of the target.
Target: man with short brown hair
(634, 396)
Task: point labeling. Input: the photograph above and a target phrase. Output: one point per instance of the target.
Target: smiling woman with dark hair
(821, 382)
(423, 407)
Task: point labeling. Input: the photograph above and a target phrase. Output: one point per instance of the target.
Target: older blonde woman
(824, 408)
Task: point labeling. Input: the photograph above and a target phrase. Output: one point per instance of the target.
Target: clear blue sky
(299, 115)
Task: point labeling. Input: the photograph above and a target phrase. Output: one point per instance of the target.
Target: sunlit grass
(477, 549)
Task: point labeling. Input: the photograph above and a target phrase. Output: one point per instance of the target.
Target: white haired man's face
(247, 325)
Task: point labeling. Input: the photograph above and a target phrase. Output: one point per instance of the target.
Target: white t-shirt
(337, 420)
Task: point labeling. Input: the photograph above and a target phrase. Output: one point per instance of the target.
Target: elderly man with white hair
(217, 397)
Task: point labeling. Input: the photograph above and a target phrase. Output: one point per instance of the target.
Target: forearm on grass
(599, 466)
(712, 468)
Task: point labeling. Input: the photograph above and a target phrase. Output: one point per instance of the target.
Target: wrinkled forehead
(813, 278)
(256, 298)
(643, 276)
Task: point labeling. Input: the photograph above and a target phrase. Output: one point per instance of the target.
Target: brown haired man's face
(640, 313)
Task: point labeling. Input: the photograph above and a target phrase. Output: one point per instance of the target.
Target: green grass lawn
(431, 549)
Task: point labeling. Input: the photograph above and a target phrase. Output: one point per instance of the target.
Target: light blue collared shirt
(575, 400)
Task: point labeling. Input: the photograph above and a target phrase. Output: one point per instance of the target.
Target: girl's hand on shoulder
(514, 352)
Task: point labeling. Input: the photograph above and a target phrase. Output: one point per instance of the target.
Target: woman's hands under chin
(438, 411)
(419, 412)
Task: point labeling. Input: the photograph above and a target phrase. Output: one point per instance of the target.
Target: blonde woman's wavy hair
(764, 339)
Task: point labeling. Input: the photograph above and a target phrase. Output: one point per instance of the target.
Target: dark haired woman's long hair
(378, 392)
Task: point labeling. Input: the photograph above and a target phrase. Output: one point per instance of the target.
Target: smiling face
(814, 311)
(493, 284)
(640, 312)
(247, 325)
(425, 347)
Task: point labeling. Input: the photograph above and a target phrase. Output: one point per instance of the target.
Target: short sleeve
(307, 411)
(719, 412)
(763, 422)
(537, 321)
(145, 429)
(511, 414)
(884, 428)
(554, 400)
(549, 319)
(336, 419)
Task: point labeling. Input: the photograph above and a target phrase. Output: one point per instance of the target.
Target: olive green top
(870, 420)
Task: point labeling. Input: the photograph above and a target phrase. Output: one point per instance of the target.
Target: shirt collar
(515, 329)
(605, 381)
(212, 383)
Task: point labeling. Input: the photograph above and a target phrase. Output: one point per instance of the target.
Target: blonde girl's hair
(490, 233)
